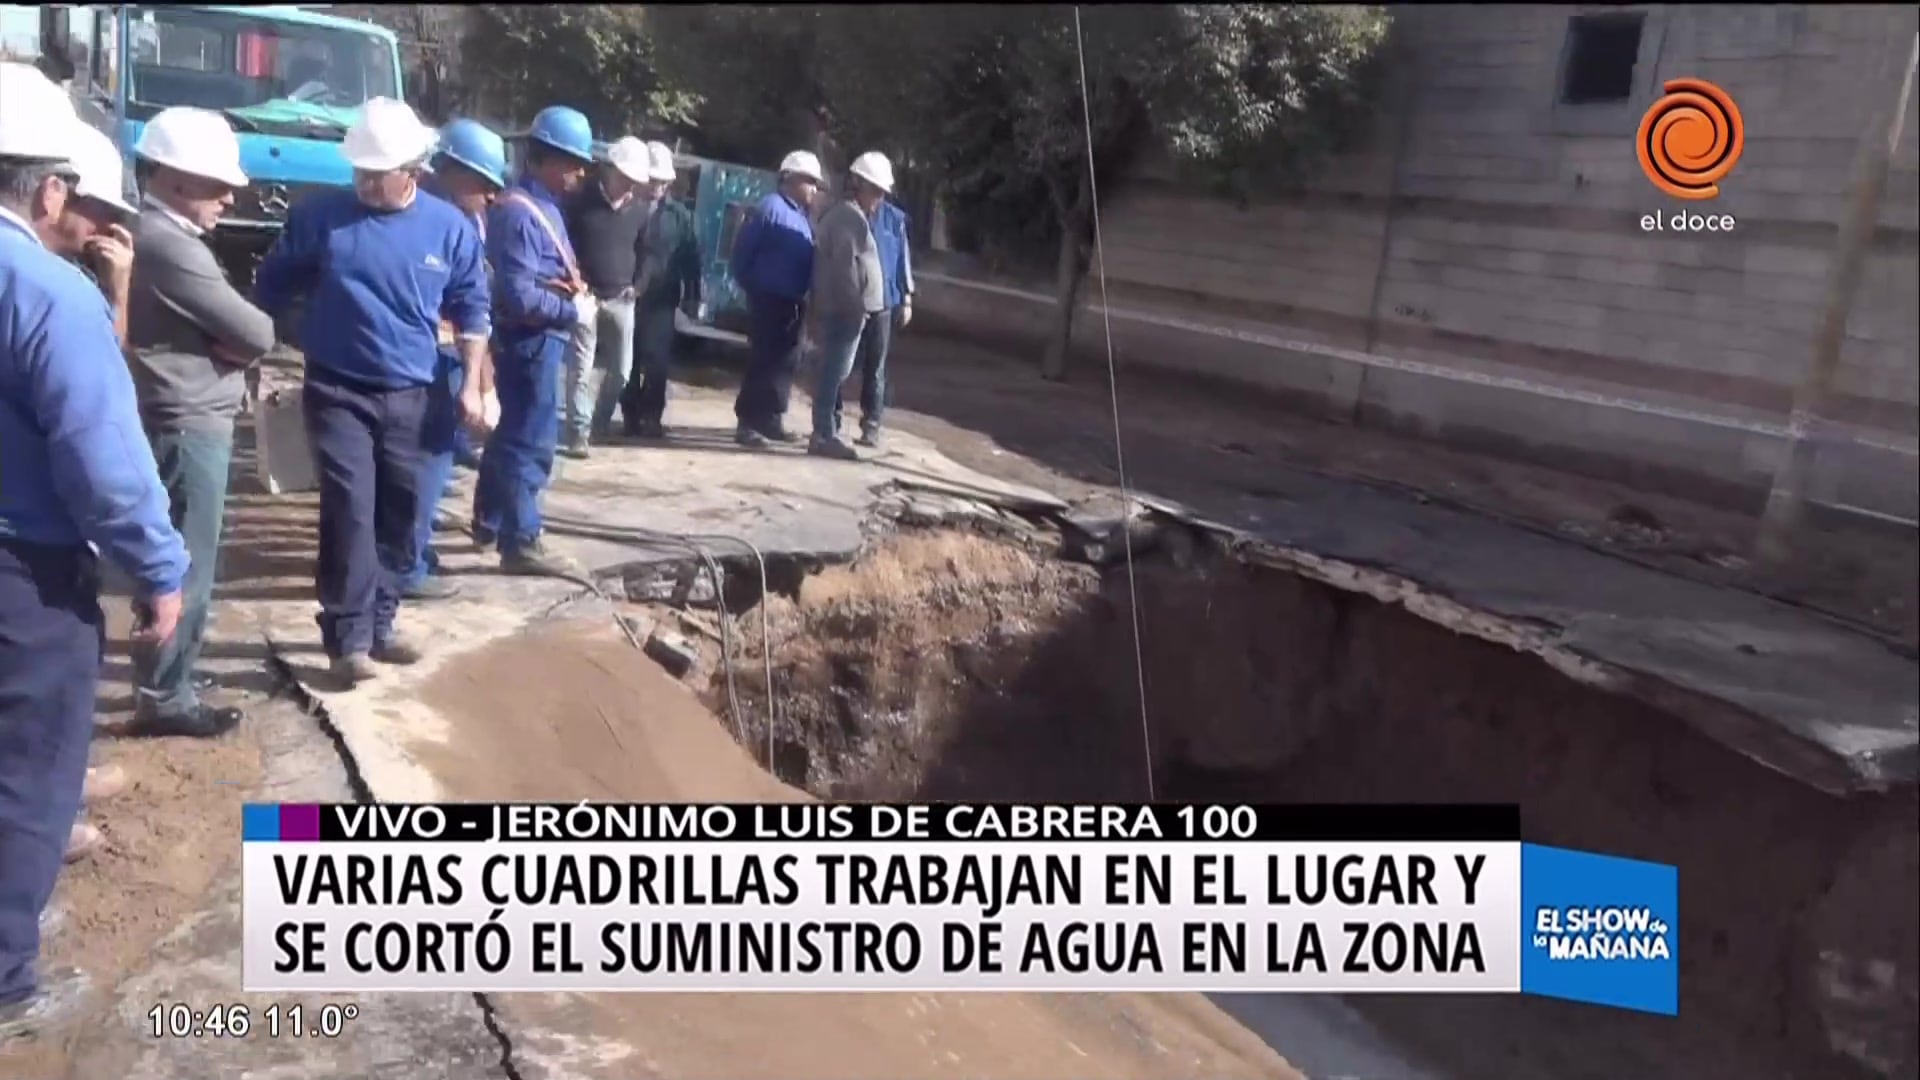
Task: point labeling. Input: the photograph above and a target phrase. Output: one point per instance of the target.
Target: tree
(1241, 95)
(596, 58)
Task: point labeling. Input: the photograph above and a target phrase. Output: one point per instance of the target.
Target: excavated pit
(945, 665)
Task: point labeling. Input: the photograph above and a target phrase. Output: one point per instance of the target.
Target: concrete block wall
(1490, 229)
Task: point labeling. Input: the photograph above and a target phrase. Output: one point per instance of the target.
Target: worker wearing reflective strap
(193, 337)
(538, 300)
(76, 479)
(469, 172)
(669, 281)
(772, 261)
(380, 265)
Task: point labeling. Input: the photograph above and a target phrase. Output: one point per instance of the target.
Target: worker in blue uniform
(538, 297)
(75, 478)
(469, 171)
(772, 260)
(378, 265)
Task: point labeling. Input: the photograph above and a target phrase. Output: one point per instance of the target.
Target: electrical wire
(1113, 390)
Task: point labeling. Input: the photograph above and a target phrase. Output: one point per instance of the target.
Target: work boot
(83, 841)
(200, 722)
(103, 783)
(751, 439)
(396, 650)
(648, 429)
(535, 560)
(483, 537)
(54, 1002)
(831, 448)
(778, 432)
(352, 669)
(432, 587)
(869, 438)
(575, 447)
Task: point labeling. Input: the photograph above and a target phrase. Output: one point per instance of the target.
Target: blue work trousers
(773, 335)
(51, 638)
(442, 433)
(518, 461)
(193, 466)
(370, 457)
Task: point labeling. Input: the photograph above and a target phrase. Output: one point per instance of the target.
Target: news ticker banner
(865, 897)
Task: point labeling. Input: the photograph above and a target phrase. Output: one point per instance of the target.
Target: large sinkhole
(946, 665)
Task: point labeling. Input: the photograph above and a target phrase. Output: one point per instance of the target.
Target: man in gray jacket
(848, 287)
(191, 337)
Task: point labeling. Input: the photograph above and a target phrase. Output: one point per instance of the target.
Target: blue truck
(290, 80)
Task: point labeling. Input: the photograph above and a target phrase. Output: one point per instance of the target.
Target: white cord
(1113, 392)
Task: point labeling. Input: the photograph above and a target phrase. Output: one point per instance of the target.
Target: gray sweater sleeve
(189, 283)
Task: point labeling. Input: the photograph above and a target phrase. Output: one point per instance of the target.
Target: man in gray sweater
(191, 338)
(848, 287)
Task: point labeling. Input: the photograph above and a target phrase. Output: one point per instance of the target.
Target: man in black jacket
(604, 221)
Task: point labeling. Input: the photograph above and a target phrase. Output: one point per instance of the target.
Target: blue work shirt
(896, 255)
(377, 281)
(773, 253)
(75, 466)
(524, 255)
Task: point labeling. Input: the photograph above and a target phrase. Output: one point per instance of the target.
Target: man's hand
(155, 620)
(567, 287)
(111, 253)
(473, 409)
(227, 355)
(906, 312)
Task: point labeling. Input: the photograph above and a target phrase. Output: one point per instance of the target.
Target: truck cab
(289, 81)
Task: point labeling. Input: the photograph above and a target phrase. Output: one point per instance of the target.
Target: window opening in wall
(1601, 50)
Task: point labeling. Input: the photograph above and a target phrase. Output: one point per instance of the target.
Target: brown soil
(603, 722)
(1261, 686)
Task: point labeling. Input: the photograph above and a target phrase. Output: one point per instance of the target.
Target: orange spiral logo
(1691, 139)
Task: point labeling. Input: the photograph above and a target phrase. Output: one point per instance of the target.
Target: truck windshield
(266, 74)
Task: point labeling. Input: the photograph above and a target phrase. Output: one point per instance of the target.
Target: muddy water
(572, 711)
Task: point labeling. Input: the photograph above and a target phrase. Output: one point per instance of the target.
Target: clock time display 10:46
(177, 1020)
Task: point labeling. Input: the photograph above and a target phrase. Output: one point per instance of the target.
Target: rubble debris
(673, 652)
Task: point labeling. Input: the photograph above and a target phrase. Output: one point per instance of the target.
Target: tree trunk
(1069, 272)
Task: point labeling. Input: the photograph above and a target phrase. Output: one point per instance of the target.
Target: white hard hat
(875, 169)
(660, 158)
(629, 155)
(802, 163)
(103, 175)
(387, 136)
(194, 141)
(37, 120)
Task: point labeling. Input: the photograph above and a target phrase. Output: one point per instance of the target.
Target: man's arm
(292, 267)
(513, 239)
(746, 246)
(467, 306)
(906, 257)
(99, 454)
(687, 264)
(188, 282)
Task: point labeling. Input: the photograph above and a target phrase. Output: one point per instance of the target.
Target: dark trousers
(518, 461)
(876, 338)
(193, 466)
(368, 452)
(441, 434)
(773, 334)
(645, 397)
(51, 638)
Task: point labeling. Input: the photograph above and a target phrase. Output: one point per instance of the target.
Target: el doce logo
(1691, 139)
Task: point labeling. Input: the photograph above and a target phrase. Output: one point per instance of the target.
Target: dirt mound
(571, 711)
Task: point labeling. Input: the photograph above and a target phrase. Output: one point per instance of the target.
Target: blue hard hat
(564, 129)
(473, 144)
